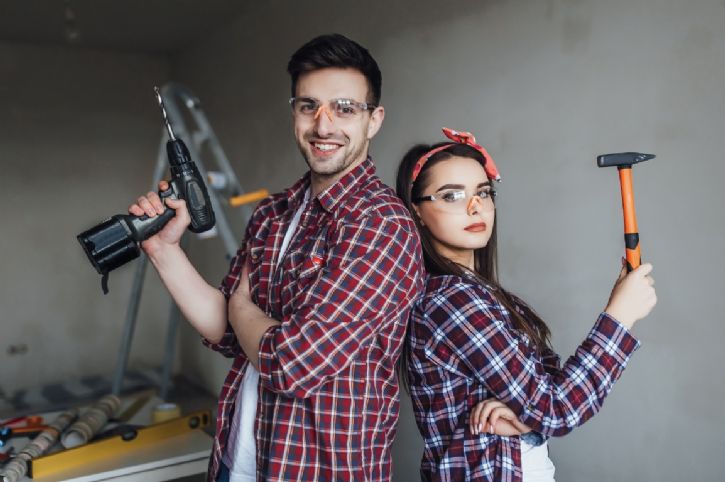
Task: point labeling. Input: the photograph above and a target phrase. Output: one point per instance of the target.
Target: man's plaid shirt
(328, 391)
(464, 349)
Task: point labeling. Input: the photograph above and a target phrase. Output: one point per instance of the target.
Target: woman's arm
(470, 330)
(495, 417)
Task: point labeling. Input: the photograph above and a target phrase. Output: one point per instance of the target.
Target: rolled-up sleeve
(472, 335)
(229, 346)
(370, 278)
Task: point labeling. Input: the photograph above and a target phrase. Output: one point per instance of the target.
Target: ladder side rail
(194, 143)
(134, 298)
(194, 105)
(230, 242)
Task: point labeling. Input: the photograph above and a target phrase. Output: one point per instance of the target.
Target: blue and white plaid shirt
(464, 349)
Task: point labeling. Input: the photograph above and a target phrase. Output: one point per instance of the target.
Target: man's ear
(376, 121)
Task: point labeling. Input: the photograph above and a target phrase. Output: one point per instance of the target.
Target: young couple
(337, 276)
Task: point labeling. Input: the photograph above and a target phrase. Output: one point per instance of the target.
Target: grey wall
(79, 135)
(547, 86)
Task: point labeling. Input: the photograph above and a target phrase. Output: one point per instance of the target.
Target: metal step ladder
(221, 179)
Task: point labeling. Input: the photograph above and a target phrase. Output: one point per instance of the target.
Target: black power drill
(116, 241)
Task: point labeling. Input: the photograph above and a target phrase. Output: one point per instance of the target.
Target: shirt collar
(331, 196)
(297, 192)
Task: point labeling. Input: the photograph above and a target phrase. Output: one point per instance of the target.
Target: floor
(57, 396)
(60, 395)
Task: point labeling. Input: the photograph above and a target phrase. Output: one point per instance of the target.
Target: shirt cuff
(614, 338)
(533, 438)
(228, 346)
(265, 355)
(221, 344)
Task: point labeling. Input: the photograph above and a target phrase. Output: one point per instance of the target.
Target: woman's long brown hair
(485, 259)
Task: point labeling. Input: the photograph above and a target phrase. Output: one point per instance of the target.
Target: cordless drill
(116, 241)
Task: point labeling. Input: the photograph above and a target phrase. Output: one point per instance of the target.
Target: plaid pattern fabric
(464, 349)
(328, 397)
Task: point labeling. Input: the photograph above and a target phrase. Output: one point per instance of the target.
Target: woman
(487, 389)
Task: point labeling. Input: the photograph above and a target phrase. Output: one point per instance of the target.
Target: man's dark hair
(335, 50)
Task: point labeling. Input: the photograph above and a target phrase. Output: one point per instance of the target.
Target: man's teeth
(326, 147)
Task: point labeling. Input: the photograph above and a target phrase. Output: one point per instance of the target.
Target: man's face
(331, 145)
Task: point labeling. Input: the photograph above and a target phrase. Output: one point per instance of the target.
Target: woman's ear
(416, 213)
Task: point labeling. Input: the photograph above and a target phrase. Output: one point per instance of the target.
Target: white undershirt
(536, 465)
(240, 455)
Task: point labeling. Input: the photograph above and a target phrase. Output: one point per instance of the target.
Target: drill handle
(189, 186)
(192, 189)
(143, 227)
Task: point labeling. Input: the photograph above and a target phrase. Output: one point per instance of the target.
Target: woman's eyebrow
(460, 186)
(451, 186)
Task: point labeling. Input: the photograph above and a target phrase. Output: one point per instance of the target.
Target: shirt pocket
(300, 270)
(308, 259)
(310, 265)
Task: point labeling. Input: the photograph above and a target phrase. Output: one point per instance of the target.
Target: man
(315, 306)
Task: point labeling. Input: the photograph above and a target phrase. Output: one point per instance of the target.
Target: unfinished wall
(547, 86)
(79, 136)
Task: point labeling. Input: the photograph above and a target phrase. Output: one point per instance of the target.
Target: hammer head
(623, 159)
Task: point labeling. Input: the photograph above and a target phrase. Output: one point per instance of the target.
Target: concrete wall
(547, 86)
(79, 136)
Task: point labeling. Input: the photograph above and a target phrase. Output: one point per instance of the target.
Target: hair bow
(459, 137)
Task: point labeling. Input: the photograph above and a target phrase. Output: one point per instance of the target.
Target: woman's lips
(476, 228)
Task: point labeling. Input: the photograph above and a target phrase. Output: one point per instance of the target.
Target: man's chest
(281, 271)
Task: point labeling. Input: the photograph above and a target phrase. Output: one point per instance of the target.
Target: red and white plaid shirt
(328, 391)
(464, 349)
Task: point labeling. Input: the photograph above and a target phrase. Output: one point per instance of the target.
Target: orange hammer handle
(631, 233)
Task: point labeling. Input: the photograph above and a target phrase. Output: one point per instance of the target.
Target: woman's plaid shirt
(328, 392)
(464, 349)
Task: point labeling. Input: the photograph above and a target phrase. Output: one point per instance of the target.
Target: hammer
(624, 162)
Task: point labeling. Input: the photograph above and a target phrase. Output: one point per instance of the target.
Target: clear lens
(304, 106)
(457, 201)
(341, 108)
(345, 108)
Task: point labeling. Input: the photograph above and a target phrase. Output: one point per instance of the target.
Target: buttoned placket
(302, 222)
(277, 225)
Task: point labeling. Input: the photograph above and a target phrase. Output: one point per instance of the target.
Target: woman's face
(460, 214)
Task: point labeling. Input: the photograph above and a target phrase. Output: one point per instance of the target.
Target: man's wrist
(164, 254)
